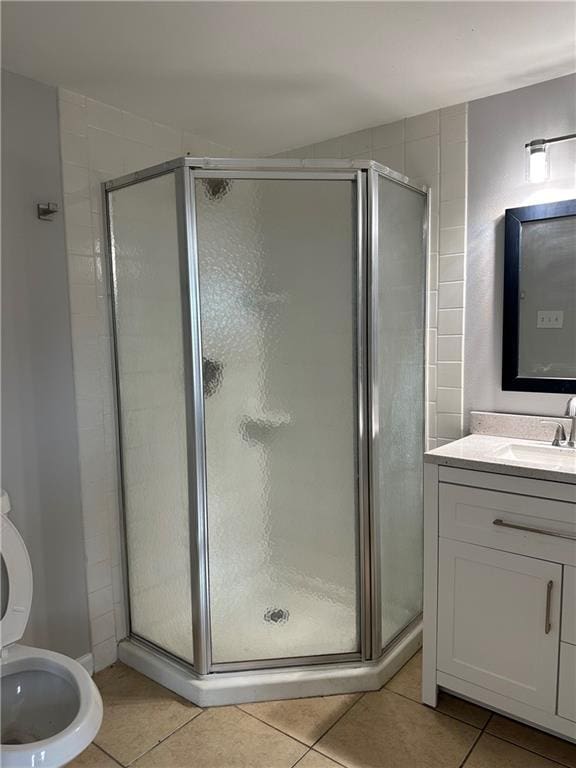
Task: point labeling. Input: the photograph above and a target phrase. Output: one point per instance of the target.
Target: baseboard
(87, 661)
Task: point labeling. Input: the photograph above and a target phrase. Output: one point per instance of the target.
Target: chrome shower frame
(369, 667)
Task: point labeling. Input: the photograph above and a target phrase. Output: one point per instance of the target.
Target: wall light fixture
(537, 157)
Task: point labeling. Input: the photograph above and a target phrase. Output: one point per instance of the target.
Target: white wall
(431, 149)
(40, 468)
(499, 126)
(100, 142)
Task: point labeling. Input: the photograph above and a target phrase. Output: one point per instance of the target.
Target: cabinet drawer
(567, 682)
(469, 514)
(569, 606)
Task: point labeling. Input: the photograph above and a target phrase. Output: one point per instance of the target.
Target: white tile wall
(99, 142)
(432, 149)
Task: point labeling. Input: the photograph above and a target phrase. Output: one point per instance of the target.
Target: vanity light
(537, 157)
(538, 166)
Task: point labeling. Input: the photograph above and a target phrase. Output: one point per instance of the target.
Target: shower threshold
(222, 688)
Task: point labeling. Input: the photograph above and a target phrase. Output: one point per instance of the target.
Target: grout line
(349, 709)
(301, 758)
(512, 743)
(482, 732)
(329, 757)
(165, 738)
(439, 711)
(291, 736)
(106, 753)
(322, 754)
(274, 727)
(319, 751)
(472, 748)
(530, 751)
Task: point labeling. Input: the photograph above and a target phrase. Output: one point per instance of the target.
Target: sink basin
(539, 455)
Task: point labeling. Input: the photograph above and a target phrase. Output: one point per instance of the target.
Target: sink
(539, 455)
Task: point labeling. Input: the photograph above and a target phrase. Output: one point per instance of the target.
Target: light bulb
(537, 170)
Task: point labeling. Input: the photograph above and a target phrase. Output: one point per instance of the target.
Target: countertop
(481, 452)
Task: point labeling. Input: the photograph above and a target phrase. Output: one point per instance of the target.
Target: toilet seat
(19, 577)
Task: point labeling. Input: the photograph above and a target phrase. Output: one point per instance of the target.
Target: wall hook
(45, 211)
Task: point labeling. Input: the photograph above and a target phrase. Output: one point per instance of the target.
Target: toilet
(50, 708)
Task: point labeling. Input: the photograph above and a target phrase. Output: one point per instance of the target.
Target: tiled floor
(146, 726)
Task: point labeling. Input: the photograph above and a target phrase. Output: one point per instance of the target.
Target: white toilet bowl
(50, 708)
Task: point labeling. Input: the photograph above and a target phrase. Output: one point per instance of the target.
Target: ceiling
(266, 77)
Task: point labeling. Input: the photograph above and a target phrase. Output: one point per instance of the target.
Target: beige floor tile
(384, 730)
(304, 719)
(559, 750)
(92, 758)
(138, 713)
(408, 682)
(493, 753)
(315, 760)
(224, 737)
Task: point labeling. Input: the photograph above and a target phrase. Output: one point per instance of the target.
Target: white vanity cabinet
(500, 594)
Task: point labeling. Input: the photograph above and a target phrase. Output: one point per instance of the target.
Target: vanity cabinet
(500, 594)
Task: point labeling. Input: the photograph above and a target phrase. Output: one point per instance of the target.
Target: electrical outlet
(552, 318)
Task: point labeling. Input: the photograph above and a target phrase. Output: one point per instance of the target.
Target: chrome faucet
(560, 434)
(571, 413)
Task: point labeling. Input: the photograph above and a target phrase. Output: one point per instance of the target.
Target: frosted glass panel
(277, 285)
(153, 416)
(400, 375)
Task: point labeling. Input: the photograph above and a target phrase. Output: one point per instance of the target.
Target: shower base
(222, 688)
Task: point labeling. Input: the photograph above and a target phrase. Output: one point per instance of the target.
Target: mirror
(539, 344)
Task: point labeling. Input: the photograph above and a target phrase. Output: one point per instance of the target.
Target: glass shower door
(399, 279)
(278, 285)
(152, 410)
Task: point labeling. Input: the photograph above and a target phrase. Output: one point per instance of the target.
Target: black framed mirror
(539, 341)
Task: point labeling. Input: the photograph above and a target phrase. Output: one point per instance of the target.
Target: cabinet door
(498, 621)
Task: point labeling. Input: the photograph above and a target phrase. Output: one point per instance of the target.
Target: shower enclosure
(268, 324)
